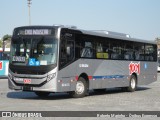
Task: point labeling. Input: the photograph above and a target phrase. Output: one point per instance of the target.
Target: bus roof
(127, 37)
(100, 33)
(109, 34)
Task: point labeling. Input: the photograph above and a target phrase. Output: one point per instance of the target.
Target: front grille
(31, 70)
(28, 72)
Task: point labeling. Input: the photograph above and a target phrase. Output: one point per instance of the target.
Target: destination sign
(35, 32)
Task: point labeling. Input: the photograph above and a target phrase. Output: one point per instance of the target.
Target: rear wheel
(42, 94)
(81, 88)
(133, 84)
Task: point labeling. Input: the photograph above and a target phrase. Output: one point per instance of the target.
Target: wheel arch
(85, 76)
(135, 74)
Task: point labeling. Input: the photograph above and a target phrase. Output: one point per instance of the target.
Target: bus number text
(134, 68)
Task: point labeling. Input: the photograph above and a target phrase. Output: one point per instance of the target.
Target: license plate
(27, 81)
(27, 88)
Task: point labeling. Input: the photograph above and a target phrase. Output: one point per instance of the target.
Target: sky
(138, 18)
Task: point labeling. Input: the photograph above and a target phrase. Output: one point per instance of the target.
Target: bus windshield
(33, 51)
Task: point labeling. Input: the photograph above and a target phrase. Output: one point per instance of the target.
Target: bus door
(67, 67)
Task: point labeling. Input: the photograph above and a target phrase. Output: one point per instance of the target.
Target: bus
(4, 62)
(58, 58)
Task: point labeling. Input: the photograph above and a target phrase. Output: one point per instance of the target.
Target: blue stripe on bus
(108, 77)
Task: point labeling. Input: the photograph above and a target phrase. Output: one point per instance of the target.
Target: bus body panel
(66, 78)
(108, 73)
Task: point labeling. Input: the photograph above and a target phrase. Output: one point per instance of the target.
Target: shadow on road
(115, 91)
(61, 96)
(33, 96)
(142, 88)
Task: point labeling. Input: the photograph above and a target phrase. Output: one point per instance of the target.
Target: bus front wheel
(81, 88)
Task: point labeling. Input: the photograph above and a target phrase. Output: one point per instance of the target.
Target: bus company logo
(27, 81)
(83, 65)
(134, 68)
(1, 65)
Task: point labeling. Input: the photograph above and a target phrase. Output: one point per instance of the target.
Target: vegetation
(7, 40)
(1, 43)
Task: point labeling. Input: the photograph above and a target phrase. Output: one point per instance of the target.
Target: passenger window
(87, 51)
(149, 53)
(101, 52)
(116, 51)
(139, 51)
(129, 51)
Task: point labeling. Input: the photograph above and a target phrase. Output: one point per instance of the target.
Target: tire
(42, 94)
(81, 88)
(132, 84)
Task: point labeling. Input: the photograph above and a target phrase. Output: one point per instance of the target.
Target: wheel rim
(133, 83)
(79, 87)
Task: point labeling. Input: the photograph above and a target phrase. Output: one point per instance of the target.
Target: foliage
(7, 39)
(1, 43)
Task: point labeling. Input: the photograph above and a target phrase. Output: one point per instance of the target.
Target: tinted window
(67, 50)
(139, 51)
(102, 49)
(116, 48)
(109, 48)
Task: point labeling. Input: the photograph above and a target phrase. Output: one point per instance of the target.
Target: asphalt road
(146, 98)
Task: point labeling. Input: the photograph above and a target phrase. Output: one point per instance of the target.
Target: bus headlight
(51, 76)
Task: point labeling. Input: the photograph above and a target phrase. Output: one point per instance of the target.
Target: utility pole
(29, 11)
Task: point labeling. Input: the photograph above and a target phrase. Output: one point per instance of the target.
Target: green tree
(6, 40)
(7, 37)
(1, 43)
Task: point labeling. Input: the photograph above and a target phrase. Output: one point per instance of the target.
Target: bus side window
(67, 51)
(100, 52)
(128, 51)
(70, 50)
(87, 51)
(149, 52)
(116, 53)
(139, 53)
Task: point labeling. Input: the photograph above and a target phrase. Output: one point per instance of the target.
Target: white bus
(46, 59)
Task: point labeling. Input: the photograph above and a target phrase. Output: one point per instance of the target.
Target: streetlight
(29, 11)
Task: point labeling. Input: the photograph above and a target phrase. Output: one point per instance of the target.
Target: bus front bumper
(47, 87)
